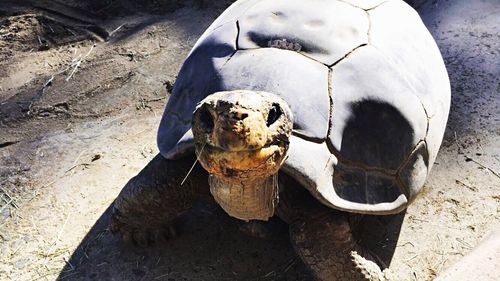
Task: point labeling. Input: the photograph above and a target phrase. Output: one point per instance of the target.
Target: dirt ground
(82, 89)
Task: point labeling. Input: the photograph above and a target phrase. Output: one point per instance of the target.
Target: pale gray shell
(366, 83)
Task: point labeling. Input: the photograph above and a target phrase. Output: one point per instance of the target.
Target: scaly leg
(322, 237)
(150, 201)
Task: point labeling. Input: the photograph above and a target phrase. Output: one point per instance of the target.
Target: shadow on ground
(99, 18)
(211, 246)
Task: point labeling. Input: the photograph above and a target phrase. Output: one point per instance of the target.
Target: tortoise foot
(368, 269)
(324, 242)
(140, 235)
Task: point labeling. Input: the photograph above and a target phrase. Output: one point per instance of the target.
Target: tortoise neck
(246, 199)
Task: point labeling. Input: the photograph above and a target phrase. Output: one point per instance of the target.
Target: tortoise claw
(141, 237)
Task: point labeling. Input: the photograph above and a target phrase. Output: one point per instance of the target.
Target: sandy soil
(82, 88)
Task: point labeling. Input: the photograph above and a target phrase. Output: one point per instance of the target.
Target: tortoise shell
(364, 79)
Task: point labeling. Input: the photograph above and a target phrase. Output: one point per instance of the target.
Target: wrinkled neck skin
(241, 139)
(246, 199)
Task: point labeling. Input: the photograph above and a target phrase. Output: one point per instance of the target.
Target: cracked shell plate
(366, 83)
(321, 30)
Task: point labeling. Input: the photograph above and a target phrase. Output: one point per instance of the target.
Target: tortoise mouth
(249, 149)
(250, 163)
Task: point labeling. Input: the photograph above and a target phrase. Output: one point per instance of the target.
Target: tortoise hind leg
(150, 201)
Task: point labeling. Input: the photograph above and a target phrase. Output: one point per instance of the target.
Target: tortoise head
(241, 139)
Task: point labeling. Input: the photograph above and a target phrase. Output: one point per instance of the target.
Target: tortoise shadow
(380, 234)
(210, 246)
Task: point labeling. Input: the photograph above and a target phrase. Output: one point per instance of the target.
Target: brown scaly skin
(324, 242)
(149, 202)
(323, 238)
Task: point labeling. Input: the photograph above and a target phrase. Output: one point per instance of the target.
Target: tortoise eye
(206, 120)
(274, 114)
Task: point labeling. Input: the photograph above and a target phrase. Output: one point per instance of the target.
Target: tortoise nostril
(274, 114)
(206, 119)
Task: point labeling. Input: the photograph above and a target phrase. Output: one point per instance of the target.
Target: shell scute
(322, 35)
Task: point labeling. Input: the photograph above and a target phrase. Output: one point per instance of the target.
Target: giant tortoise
(308, 110)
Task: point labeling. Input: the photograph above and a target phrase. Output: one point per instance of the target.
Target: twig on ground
(75, 63)
(62, 229)
(48, 82)
(7, 199)
(7, 204)
(78, 165)
(153, 100)
(51, 251)
(161, 276)
(271, 273)
(405, 243)
(412, 257)
(466, 185)
(290, 264)
(417, 219)
(78, 62)
(470, 159)
(16, 250)
(70, 31)
(44, 276)
(37, 190)
(68, 263)
(105, 7)
(116, 29)
(76, 161)
(464, 244)
(284, 268)
(440, 266)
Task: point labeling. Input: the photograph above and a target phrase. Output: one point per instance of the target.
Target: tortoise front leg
(322, 237)
(150, 201)
(323, 240)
